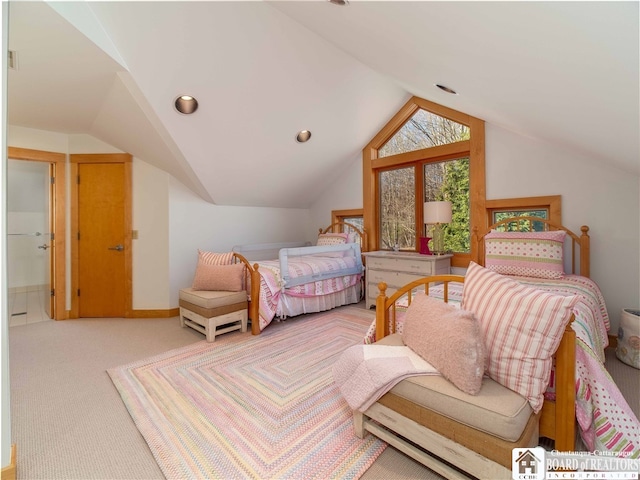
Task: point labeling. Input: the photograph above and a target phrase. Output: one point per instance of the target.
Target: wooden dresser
(399, 268)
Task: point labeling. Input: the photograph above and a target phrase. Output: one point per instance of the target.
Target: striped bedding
(606, 421)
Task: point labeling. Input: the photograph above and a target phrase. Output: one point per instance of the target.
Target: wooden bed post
(382, 314)
(585, 245)
(566, 391)
(476, 252)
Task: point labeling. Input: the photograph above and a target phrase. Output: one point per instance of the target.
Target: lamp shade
(437, 212)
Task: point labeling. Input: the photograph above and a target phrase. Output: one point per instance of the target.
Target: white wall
(196, 224)
(150, 251)
(344, 193)
(593, 194)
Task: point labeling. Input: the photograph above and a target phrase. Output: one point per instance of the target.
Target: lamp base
(424, 246)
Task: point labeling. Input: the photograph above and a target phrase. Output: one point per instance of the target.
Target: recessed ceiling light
(446, 89)
(186, 104)
(303, 136)
(342, 3)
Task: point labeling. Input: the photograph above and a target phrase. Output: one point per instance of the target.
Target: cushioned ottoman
(205, 311)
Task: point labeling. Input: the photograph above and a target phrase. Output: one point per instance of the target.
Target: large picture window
(425, 153)
(397, 209)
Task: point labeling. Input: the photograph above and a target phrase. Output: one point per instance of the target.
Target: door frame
(58, 280)
(74, 161)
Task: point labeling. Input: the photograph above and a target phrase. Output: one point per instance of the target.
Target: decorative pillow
(448, 338)
(219, 277)
(211, 258)
(522, 328)
(332, 239)
(525, 254)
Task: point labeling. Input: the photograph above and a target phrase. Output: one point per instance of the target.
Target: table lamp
(437, 214)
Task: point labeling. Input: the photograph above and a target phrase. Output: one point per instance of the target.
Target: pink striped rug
(250, 406)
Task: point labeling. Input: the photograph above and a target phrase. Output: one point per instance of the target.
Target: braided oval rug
(244, 406)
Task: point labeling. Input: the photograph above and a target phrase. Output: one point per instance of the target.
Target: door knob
(117, 247)
(43, 247)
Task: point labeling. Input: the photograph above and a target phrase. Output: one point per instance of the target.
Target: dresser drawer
(401, 264)
(392, 279)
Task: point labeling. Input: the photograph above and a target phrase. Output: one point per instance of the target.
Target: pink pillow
(218, 277)
(522, 328)
(212, 258)
(448, 338)
(525, 254)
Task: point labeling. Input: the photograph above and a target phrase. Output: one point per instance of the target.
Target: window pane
(449, 180)
(499, 215)
(424, 130)
(397, 209)
(356, 221)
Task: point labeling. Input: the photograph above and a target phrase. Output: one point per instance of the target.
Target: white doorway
(29, 242)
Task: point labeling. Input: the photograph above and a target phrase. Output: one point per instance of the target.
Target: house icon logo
(528, 463)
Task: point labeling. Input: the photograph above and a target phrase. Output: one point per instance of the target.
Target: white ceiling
(562, 72)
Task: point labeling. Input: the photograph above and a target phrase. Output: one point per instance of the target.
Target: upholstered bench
(205, 311)
(486, 426)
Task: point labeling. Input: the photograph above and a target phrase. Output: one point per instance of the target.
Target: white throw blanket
(364, 373)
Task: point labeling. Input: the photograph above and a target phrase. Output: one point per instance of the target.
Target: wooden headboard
(579, 245)
(337, 228)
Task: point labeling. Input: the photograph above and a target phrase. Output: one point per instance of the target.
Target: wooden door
(102, 279)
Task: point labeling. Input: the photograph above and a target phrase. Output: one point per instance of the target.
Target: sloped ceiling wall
(562, 72)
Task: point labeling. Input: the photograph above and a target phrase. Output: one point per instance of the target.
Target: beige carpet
(69, 422)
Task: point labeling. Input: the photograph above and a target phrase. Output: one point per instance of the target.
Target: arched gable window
(426, 152)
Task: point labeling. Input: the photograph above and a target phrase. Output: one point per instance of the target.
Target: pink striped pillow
(211, 258)
(525, 254)
(522, 328)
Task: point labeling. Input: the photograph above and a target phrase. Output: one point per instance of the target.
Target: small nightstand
(399, 268)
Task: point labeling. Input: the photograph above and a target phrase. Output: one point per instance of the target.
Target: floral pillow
(525, 254)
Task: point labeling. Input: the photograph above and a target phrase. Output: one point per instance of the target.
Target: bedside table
(399, 268)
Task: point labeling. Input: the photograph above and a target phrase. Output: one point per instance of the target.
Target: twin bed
(304, 279)
(580, 387)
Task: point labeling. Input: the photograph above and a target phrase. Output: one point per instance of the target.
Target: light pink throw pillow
(522, 328)
(448, 338)
(226, 278)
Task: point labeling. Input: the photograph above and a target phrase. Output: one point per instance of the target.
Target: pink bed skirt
(291, 306)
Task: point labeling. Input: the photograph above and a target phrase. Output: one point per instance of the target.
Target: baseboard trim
(171, 312)
(10, 471)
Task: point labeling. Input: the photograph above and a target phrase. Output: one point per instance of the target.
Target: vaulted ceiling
(561, 72)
